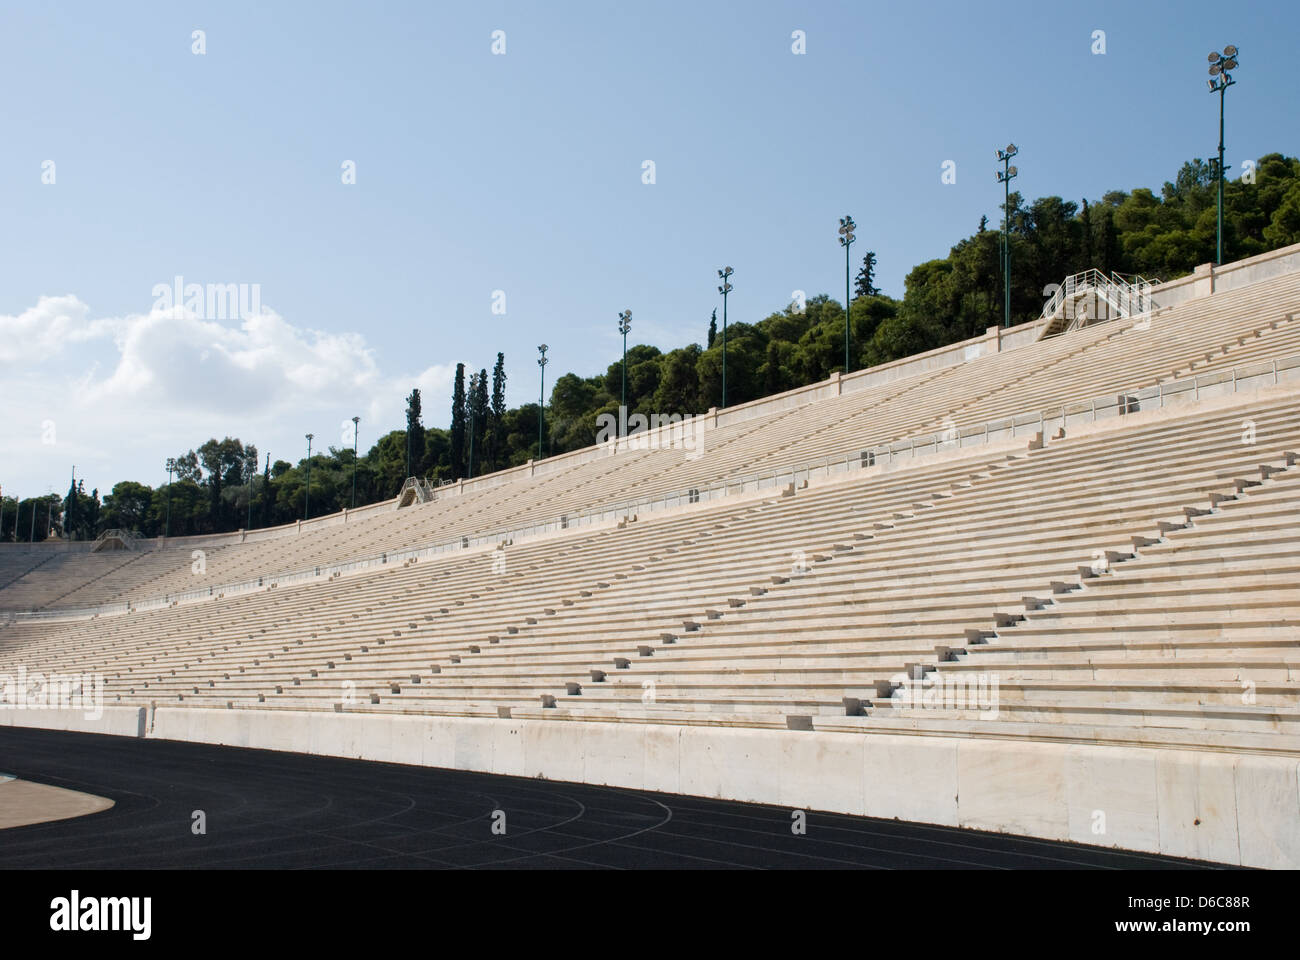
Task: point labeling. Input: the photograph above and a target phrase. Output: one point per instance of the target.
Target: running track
(268, 809)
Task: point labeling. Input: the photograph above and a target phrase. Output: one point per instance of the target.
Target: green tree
(1284, 226)
(127, 507)
(865, 285)
(496, 413)
(390, 463)
(267, 501)
(459, 422)
(415, 434)
(8, 519)
(478, 405)
(679, 386)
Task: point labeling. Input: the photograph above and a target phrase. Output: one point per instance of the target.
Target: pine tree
(713, 330)
(866, 282)
(458, 413)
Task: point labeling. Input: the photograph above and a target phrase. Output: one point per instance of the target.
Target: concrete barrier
(1211, 806)
(115, 721)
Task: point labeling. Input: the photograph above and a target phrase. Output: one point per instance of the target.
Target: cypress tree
(458, 416)
(414, 436)
(478, 405)
(268, 498)
(497, 412)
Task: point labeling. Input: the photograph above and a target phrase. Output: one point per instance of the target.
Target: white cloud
(48, 328)
(124, 393)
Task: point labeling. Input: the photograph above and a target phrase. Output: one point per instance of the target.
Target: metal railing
(127, 538)
(1127, 295)
(415, 490)
(1122, 402)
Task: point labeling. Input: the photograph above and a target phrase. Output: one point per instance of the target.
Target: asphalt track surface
(280, 810)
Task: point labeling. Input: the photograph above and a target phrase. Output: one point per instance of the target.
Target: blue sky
(522, 173)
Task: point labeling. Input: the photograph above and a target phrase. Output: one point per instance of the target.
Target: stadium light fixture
(725, 275)
(306, 504)
(541, 398)
(847, 226)
(624, 325)
(356, 426)
(167, 524)
(1005, 176)
(250, 471)
(1219, 82)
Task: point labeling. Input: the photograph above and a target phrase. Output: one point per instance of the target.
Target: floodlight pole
(1005, 176)
(847, 301)
(846, 240)
(541, 398)
(167, 525)
(624, 325)
(251, 467)
(1006, 252)
(1218, 257)
(1220, 64)
(725, 289)
(356, 425)
(307, 488)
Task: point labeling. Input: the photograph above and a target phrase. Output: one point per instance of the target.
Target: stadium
(1012, 580)
(1030, 583)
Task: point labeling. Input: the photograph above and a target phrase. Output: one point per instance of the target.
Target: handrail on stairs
(1126, 295)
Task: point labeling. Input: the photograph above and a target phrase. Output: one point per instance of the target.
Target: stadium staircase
(415, 490)
(1109, 297)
